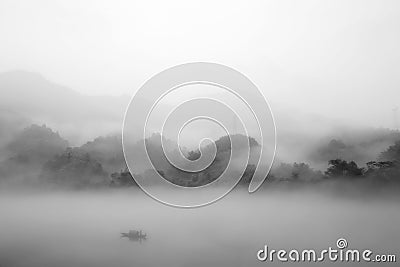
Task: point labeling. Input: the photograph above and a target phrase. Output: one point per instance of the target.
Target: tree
(383, 171)
(303, 172)
(122, 179)
(392, 153)
(74, 168)
(300, 172)
(342, 168)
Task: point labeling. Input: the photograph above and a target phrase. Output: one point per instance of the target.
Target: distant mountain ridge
(32, 96)
(29, 98)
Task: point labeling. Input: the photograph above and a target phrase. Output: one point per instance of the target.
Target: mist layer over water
(83, 228)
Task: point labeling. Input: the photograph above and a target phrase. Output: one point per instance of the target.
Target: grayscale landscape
(68, 71)
(66, 205)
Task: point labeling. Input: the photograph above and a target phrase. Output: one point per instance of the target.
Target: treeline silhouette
(39, 155)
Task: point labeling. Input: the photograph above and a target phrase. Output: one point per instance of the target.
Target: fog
(28, 98)
(331, 59)
(83, 228)
(68, 70)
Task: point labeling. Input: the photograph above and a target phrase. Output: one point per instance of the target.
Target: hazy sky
(338, 59)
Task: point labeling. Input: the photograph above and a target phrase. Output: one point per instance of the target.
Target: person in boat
(134, 235)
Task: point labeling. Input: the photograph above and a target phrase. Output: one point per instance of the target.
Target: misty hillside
(34, 97)
(37, 155)
(28, 97)
(209, 174)
(11, 123)
(37, 143)
(74, 168)
(29, 149)
(359, 145)
(39, 152)
(107, 150)
(92, 126)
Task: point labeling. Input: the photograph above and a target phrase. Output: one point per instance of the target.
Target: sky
(337, 59)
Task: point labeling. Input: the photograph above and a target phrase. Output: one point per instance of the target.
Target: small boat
(134, 235)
